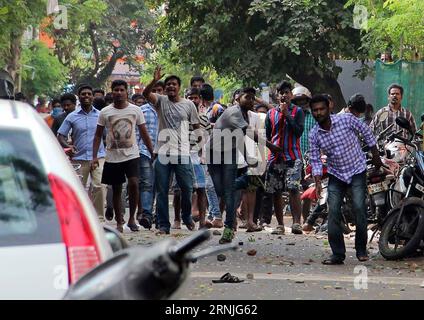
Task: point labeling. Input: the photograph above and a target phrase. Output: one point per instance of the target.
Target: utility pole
(401, 47)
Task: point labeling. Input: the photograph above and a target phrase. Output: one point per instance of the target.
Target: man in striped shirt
(284, 127)
(394, 110)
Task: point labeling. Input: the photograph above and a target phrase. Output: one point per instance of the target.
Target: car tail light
(83, 254)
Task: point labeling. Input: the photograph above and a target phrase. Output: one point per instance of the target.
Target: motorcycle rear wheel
(410, 235)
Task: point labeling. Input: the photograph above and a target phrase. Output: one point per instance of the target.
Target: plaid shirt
(345, 157)
(152, 125)
(377, 126)
(309, 124)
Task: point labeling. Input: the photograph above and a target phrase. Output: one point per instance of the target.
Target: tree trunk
(12, 61)
(97, 81)
(317, 85)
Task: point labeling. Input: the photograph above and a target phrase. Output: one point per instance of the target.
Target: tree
(47, 76)
(265, 40)
(15, 18)
(396, 26)
(100, 33)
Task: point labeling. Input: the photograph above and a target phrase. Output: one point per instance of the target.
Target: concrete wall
(351, 85)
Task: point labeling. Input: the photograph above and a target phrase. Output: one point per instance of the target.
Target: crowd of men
(237, 162)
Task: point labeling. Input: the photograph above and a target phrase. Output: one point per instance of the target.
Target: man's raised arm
(147, 93)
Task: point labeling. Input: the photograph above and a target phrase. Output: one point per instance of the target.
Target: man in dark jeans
(175, 115)
(337, 137)
(226, 140)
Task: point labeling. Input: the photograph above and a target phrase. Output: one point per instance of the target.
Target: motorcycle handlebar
(178, 251)
(405, 141)
(385, 131)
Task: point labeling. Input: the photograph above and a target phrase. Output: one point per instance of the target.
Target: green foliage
(99, 33)
(47, 76)
(15, 17)
(261, 40)
(394, 25)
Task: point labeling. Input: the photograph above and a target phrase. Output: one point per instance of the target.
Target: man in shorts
(122, 153)
(284, 127)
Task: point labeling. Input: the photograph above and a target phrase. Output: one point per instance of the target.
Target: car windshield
(27, 209)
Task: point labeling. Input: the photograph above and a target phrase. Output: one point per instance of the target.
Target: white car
(50, 235)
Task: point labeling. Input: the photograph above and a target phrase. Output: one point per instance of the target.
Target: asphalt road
(289, 267)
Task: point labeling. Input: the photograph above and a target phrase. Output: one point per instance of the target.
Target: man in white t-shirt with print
(122, 154)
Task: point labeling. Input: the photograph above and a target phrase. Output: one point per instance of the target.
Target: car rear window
(27, 209)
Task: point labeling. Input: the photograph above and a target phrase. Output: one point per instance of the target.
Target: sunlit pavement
(289, 267)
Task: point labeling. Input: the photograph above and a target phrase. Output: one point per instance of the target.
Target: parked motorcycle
(144, 273)
(402, 230)
(379, 182)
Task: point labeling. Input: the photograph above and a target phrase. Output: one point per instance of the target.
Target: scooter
(144, 273)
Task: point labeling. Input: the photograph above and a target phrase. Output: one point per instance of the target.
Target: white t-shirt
(256, 123)
(121, 142)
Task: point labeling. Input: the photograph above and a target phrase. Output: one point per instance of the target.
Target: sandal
(190, 226)
(109, 214)
(279, 231)
(228, 278)
(145, 223)
(243, 226)
(363, 258)
(133, 227)
(176, 225)
(254, 229)
(227, 236)
(296, 229)
(332, 261)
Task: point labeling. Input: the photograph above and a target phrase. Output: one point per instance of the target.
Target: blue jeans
(213, 201)
(146, 187)
(242, 183)
(184, 176)
(336, 192)
(224, 179)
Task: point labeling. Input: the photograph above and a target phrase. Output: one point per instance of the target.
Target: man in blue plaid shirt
(146, 184)
(337, 137)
